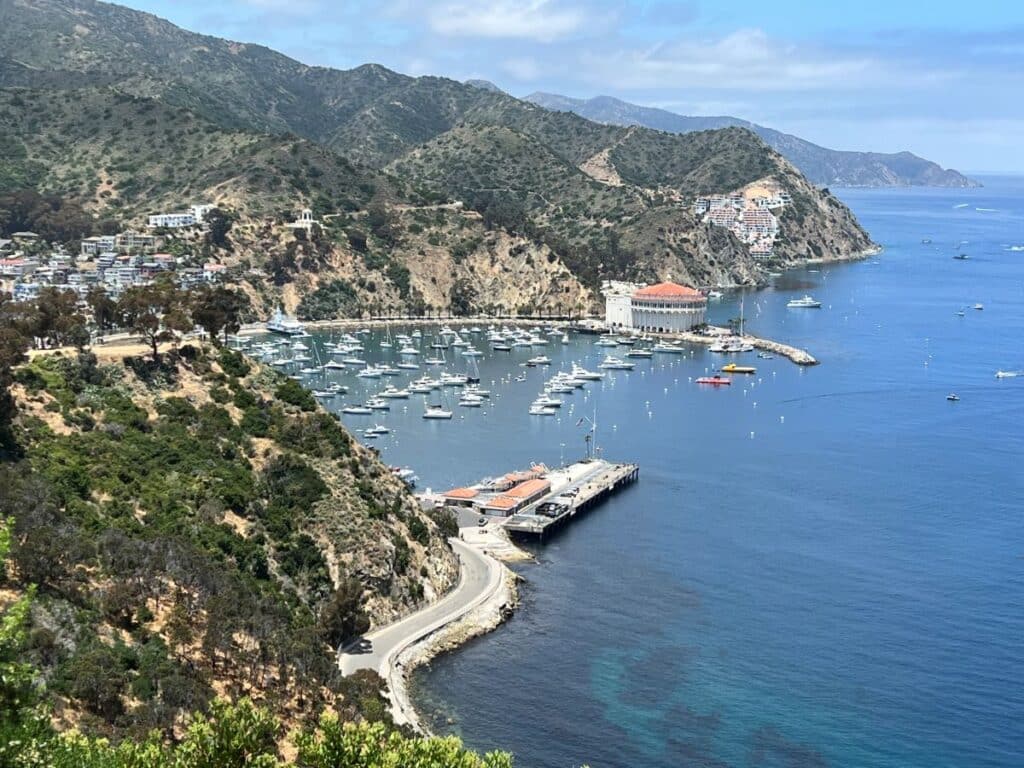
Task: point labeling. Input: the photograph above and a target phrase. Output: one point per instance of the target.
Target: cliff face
(198, 526)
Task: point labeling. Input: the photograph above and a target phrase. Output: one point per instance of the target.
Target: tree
(218, 224)
(58, 320)
(217, 309)
(16, 323)
(103, 308)
(154, 312)
(343, 617)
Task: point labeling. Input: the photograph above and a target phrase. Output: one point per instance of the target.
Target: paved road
(480, 577)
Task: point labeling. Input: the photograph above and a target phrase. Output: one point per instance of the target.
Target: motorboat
(668, 349)
(323, 394)
(434, 361)
(715, 295)
(454, 380)
(394, 393)
(615, 364)
(436, 412)
(606, 341)
(387, 370)
(378, 404)
(369, 372)
(546, 401)
(979, 307)
(360, 410)
(539, 360)
(540, 410)
(1007, 374)
(641, 352)
(715, 381)
(469, 400)
(334, 365)
(719, 346)
(733, 368)
(407, 366)
(501, 347)
(766, 355)
(953, 397)
(408, 351)
(376, 429)
(807, 302)
(579, 372)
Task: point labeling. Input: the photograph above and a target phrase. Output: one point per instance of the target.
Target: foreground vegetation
(228, 735)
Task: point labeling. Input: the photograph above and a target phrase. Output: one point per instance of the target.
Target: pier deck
(551, 512)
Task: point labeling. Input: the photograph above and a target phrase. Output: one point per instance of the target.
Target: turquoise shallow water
(818, 567)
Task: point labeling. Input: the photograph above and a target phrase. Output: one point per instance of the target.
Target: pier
(585, 491)
(795, 354)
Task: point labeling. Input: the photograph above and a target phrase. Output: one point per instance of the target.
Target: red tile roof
(667, 291)
(502, 502)
(528, 489)
(461, 493)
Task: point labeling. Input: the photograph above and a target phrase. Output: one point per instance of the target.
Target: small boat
(668, 349)
(408, 366)
(377, 429)
(1007, 374)
(733, 368)
(807, 302)
(715, 381)
(715, 295)
(766, 355)
(640, 352)
(501, 347)
(615, 364)
(360, 410)
(546, 401)
(323, 394)
(540, 410)
(434, 361)
(539, 360)
(369, 373)
(394, 393)
(469, 400)
(926, 241)
(333, 365)
(979, 307)
(953, 397)
(961, 257)
(378, 404)
(436, 412)
(565, 338)
(408, 350)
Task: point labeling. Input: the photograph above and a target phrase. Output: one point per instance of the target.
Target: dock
(580, 495)
(795, 354)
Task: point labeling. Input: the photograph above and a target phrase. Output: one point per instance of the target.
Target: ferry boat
(807, 302)
(715, 381)
(436, 412)
(286, 324)
(733, 368)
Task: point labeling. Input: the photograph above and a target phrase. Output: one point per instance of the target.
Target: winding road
(480, 577)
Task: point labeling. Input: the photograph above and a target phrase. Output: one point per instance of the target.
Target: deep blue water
(818, 567)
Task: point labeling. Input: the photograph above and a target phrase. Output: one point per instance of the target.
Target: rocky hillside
(822, 166)
(196, 527)
(429, 193)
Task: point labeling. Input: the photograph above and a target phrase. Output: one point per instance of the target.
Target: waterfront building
(618, 297)
(666, 307)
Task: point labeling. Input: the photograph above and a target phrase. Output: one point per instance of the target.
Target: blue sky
(942, 79)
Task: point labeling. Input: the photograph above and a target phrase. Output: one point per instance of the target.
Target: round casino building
(662, 308)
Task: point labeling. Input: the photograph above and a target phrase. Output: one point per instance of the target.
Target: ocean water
(818, 567)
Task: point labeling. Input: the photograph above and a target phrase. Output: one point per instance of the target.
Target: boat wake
(961, 205)
(1016, 248)
(987, 210)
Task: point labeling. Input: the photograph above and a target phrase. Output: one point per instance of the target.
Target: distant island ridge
(821, 165)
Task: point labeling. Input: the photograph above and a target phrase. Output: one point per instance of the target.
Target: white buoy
(751, 435)
(782, 419)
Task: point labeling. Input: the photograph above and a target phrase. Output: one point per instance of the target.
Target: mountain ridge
(823, 166)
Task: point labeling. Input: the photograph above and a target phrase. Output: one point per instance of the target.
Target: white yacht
(539, 360)
(436, 412)
(408, 350)
(540, 410)
(469, 400)
(615, 364)
(360, 410)
(807, 302)
(407, 366)
(641, 352)
(394, 393)
(454, 379)
(375, 430)
(378, 404)
(579, 372)
(547, 401)
(668, 349)
(369, 372)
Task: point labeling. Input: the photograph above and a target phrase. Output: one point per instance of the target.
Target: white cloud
(746, 59)
(539, 20)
